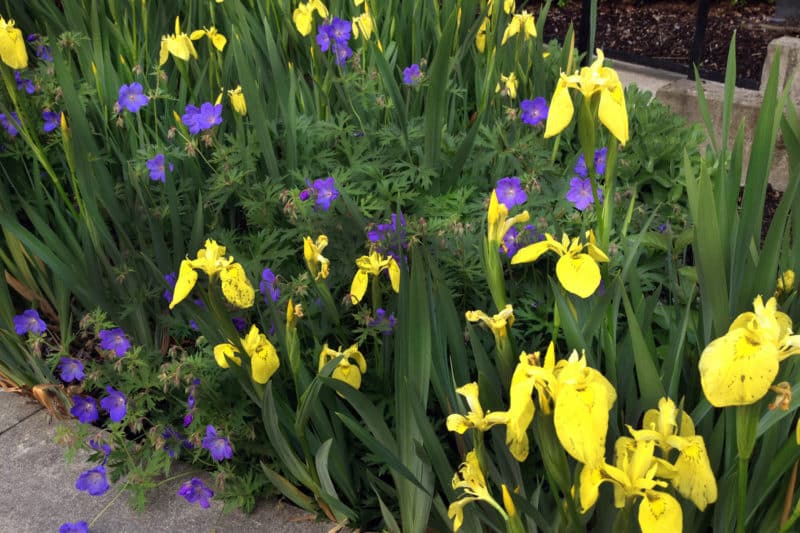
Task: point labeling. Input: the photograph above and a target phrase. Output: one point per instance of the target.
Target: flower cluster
(203, 118)
(264, 360)
(351, 366)
(211, 259)
(85, 408)
(24, 83)
(191, 403)
(335, 37)
(580, 191)
(195, 491)
(389, 238)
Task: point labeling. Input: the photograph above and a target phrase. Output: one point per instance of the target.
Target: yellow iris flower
(318, 265)
(211, 259)
(693, 477)
(508, 84)
(363, 24)
(498, 323)
(237, 100)
(508, 6)
(217, 39)
(739, 367)
(595, 81)
(785, 283)
(178, 45)
(634, 476)
(351, 366)
(578, 272)
(470, 478)
(303, 16)
(264, 360)
(583, 398)
(522, 22)
(498, 221)
(480, 37)
(373, 264)
(12, 45)
(475, 418)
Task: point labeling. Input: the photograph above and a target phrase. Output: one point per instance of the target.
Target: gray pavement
(37, 490)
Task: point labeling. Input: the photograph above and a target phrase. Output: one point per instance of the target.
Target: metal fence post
(696, 52)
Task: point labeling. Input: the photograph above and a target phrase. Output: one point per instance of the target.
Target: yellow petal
(197, 34)
(458, 423)
(348, 373)
(264, 362)
(187, 277)
(12, 45)
(578, 274)
(236, 287)
(612, 113)
(511, 30)
(394, 275)
(736, 371)
(219, 41)
(581, 421)
(561, 110)
(225, 351)
(530, 253)
(163, 54)
(521, 409)
(359, 286)
(302, 17)
(659, 512)
(695, 479)
(590, 477)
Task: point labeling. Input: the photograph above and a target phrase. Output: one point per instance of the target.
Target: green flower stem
(327, 300)
(622, 522)
(555, 463)
(505, 357)
(493, 266)
(607, 208)
(746, 425)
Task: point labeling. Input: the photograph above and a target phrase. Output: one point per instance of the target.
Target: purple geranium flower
(23, 83)
(52, 120)
(342, 52)
(219, 447)
(29, 322)
(132, 97)
(389, 238)
(383, 321)
(43, 52)
(157, 168)
(325, 191)
(171, 279)
(509, 244)
(412, 75)
(93, 481)
(84, 409)
(71, 369)
(115, 403)
(239, 323)
(599, 163)
(115, 340)
(74, 527)
(334, 37)
(195, 491)
(206, 117)
(340, 30)
(10, 123)
(509, 192)
(104, 448)
(269, 286)
(534, 111)
(580, 193)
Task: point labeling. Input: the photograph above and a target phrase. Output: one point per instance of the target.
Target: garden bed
(662, 32)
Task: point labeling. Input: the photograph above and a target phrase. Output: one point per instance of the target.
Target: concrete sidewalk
(37, 490)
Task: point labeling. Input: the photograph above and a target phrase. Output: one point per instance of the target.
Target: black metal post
(696, 52)
(584, 29)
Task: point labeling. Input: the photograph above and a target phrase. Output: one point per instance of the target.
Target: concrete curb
(37, 490)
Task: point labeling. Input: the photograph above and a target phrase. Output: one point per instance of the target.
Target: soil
(663, 31)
